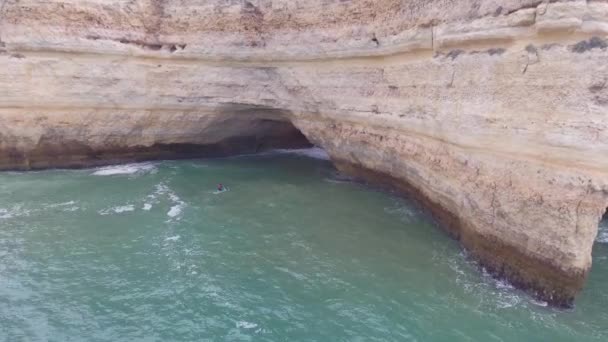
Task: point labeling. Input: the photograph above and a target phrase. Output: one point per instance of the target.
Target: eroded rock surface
(494, 114)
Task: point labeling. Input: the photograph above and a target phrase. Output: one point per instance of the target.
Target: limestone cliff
(493, 113)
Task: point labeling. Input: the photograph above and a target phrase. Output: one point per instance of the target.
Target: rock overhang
(493, 115)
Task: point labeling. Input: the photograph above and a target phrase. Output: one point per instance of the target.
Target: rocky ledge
(493, 116)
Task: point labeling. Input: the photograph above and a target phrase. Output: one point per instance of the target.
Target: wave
(602, 234)
(178, 205)
(296, 275)
(246, 325)
(63, 204)
(404, 211)
(495, 292)
(541, 303)
(313, 152)
(118, 209)
(126, 169)
(15, 211)
(602, 237)
(339, 179)
(161, 190)
(175, 210)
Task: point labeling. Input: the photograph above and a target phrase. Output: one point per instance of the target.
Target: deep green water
(292, 252)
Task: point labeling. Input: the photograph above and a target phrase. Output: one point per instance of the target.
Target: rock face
(494, 114)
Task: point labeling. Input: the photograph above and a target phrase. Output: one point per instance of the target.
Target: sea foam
(175, 210)
(118, 209)
(126, 169)
(15, 211)
(602, 234)
(177, 204)
(313, 152)
(246, 325)
(4, 214)
(63, 204)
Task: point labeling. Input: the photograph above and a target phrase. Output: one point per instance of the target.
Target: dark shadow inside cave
(246, 129)
(239, 129)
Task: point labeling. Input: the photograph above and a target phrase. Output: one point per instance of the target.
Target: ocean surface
(291, 252)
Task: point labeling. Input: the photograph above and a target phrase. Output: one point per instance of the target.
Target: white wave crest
(175, 210)
(15, 211)
(602, 234)
(123, 208)
(118, 209)
(173, 238)
(178, 204)
(174, 197)
(539, 302)
(503, 284)
(404, 211)
(291, 273)
(160, 189)
(313, 152)
(246, 325)
(126, 169)
(602, 237)
(63, 204)
(4, 213)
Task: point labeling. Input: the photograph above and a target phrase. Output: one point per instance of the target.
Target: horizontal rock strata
(494, 116)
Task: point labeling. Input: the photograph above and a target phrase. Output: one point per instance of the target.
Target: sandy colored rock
(493, 115)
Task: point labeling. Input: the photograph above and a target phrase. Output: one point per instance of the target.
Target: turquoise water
(292, 252)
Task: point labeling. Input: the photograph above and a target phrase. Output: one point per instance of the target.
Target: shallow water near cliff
(292, 252)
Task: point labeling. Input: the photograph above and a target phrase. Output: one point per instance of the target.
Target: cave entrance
(238, 129)
(230, 129)
(245, 129)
